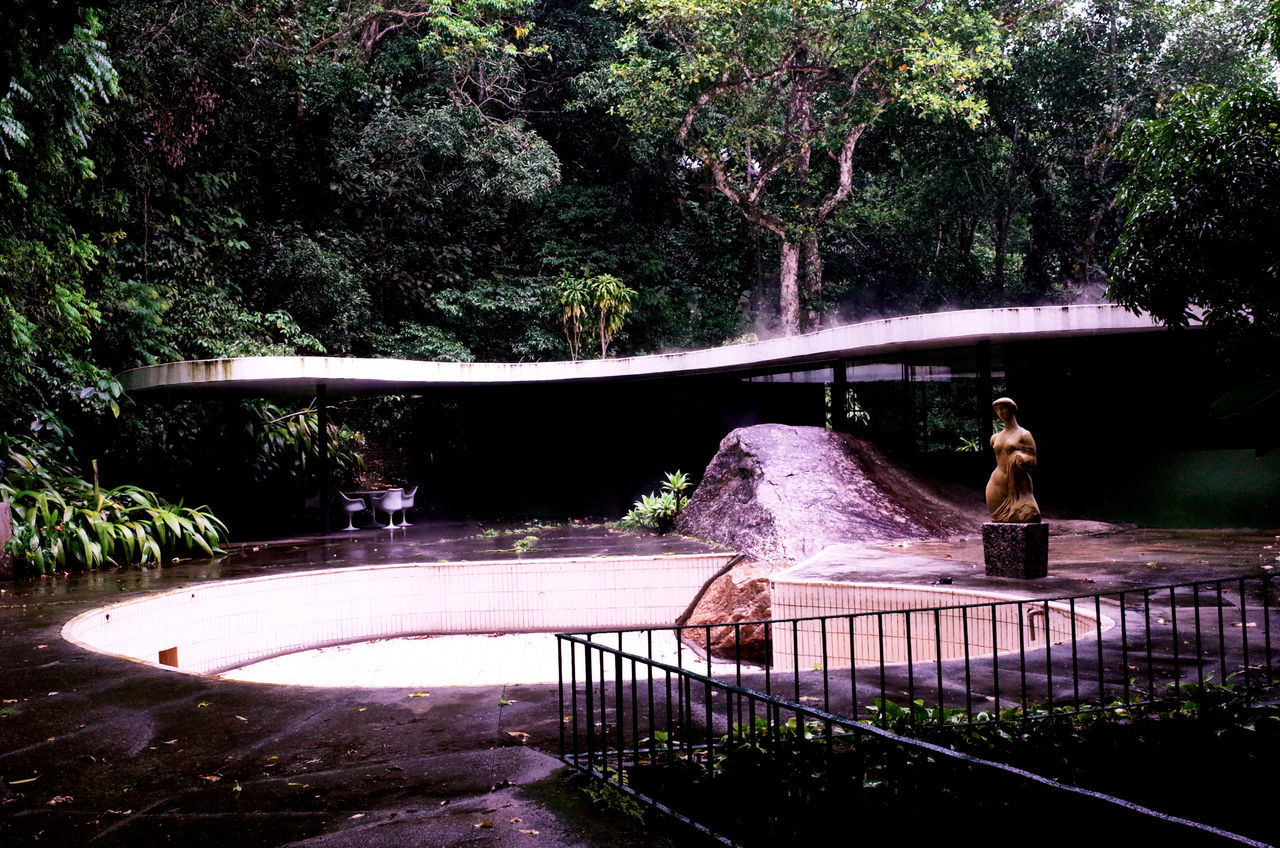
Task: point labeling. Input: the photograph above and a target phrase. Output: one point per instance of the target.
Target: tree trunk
(789, 289)
(1001, 238)
(811, 257)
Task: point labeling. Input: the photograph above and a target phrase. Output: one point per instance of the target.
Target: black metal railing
(752, 752)
(995, 659)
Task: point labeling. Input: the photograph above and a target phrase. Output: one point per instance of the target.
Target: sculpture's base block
(1016, 550)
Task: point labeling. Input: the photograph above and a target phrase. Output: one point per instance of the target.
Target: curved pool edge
(211, 627)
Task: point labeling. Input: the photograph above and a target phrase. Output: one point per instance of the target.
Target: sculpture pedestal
(1016, 550)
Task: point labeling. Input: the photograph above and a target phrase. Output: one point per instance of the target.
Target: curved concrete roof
(264, 375)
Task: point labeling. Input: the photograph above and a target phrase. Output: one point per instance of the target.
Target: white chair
(406, 503)
(352, 506)
(388, 501)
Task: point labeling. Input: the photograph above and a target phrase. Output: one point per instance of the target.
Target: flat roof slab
(264, 375)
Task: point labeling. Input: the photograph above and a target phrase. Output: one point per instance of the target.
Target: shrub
(658, 511)
(63, 522)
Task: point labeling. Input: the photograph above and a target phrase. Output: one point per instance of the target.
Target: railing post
(590, 707)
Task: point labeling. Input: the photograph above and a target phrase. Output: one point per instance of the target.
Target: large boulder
(737, 597)
(777, 492)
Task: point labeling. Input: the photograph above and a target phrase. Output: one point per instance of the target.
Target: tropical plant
(658, 510)
(604, 296)
(77, 525)
(612, 298)
(574, 295)
(289, 446)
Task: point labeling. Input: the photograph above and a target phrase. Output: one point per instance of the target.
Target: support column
(984, 395)
(322, 437)
(840, 396)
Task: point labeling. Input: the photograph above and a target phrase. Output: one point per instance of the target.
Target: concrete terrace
(98, 750)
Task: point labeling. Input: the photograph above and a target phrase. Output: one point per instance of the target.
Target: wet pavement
(97, 750)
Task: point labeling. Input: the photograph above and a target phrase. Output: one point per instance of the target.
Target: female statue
(1009, 497)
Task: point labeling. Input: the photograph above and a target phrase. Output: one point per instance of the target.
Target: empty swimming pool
(212, 628)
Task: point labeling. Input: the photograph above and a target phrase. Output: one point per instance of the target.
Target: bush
(658, 511)
(61, 522)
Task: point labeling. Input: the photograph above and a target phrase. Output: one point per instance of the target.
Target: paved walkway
(96, 750)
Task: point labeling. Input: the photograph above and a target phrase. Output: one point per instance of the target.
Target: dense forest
(449, 180)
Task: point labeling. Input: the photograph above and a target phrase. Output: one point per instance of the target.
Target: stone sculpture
(1009, 497)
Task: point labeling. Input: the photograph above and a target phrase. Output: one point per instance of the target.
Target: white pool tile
(221, 625)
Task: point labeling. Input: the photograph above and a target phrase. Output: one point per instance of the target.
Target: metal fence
(1001, 659)
(686, 717)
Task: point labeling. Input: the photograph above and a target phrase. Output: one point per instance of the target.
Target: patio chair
(388, 501)
(406, 504)
(351, 506)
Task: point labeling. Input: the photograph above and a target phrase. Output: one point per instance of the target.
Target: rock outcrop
(741, 594)
(777, 492)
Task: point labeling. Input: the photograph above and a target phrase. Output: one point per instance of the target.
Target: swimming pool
(211, 628)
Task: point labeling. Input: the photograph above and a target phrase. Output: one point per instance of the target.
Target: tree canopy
(771, 98)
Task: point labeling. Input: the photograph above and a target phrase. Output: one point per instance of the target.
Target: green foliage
(770, 99)
(606, 796)
(289, 449)
(1201, 205)
(70, 524)
(658, 511)
(50, 103)
(417, 341)
(1077, 79)
(603, 299)
(612, 300)
(574, 295)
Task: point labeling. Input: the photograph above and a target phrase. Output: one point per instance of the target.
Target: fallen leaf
(418, 695)
(41, 646)
(169, 742)
(203, 704)
(518, 734)
(212, 778)
(485, 823)
(534, 832)
(358, 816)
(27, 780)
(516, 820)
(120, 812)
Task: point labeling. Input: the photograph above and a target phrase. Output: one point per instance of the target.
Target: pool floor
(433, 661)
